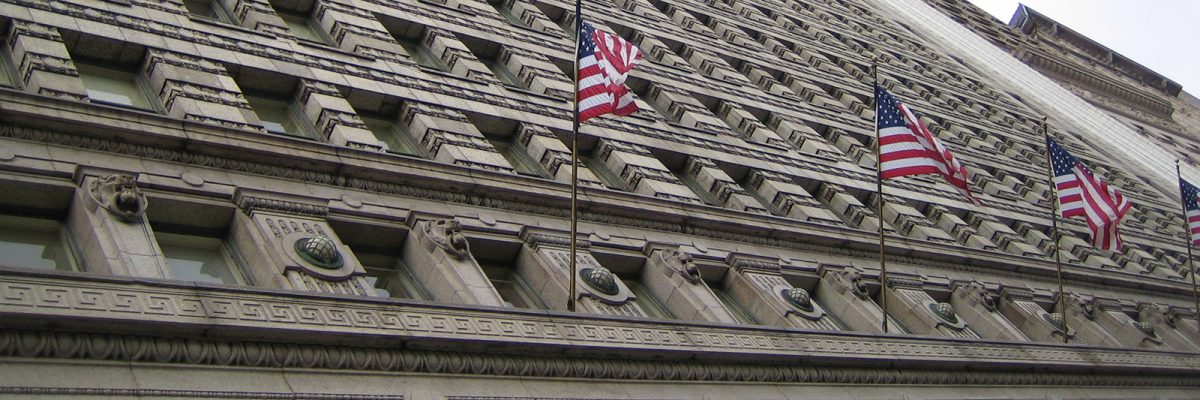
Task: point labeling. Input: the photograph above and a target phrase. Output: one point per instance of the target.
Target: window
(512, 287)
(506, 12)
(207, 9)
(34, 243)
(391, 277)
(6, 70)
(109, 85)
(199, 259)
(278, 116)
(302, 27)
(397, 139)
(645, 300)
(516, 156)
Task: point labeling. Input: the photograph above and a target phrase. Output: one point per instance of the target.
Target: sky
(1162, 35)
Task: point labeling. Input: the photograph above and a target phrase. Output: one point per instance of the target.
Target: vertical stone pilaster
(642, 172)
(673, 277)
(457, 57)
(758, 285)
(536, 71)
(979, 307)
(747, 125)
(288, 245)
(107, 220)
(354, 30)
(196, 89)
(450, 137)
(1084, 318)
(544, 262)
(790, 198)
(844, 293)
(1020, 306)
(1004, 237)
(919, 313)
(852, 211)
(441, 259)
(43, 63)
(1122, 327)
(334, 118)
(1156, 318)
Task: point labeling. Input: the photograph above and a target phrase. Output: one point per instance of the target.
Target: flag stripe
(1081, 193)
(906, 147)
(605, 60)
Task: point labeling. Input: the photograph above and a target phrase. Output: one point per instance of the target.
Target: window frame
(97, 68)
(305, 129)
(70, 250)
(228, 254)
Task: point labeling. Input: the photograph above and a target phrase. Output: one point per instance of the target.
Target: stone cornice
(129, 308)
(1096, 82)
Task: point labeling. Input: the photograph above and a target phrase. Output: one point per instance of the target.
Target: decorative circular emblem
(944, 311)
(1055, 319)
(600, 279)
(1146, 328)
(798, 298)
(319, 251)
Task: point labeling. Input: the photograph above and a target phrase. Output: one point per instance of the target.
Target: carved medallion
(119, 194)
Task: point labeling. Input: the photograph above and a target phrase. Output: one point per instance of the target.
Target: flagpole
(879, 204)
(575, 161)
(1187, 237)
(1062, 296)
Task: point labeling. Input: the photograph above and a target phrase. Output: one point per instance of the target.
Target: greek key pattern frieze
(50, 297)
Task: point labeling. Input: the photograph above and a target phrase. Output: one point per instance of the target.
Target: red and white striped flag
(908, 148)
(1081, 193)
(605, 60)
(1190, 194)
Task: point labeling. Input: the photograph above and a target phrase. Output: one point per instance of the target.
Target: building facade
(345, 199)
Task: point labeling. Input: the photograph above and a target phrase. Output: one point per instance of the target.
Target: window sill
(332, 49)
(228, 25)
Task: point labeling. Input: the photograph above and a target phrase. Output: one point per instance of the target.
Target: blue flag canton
(1062, 161)
(587, 45)
(887, 110)
(1189, 192)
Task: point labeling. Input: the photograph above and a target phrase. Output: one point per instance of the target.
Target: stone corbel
(845, 292)
(909, 304)
(979, 307)
(1156, 318)
(108, 221)
(1082, 313)
(438, 254)
(673, 276)
(1024, 309)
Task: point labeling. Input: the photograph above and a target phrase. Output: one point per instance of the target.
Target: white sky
(1162, 35)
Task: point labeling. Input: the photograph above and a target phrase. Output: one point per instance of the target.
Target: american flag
(605, 60)
(1189, 192)
(1081, 193)
(907, 148)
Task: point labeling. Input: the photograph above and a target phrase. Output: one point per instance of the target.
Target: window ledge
(332, 49)
(223, 24)
(535, 94)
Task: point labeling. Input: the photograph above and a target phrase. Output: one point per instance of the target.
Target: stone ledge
(277, 319)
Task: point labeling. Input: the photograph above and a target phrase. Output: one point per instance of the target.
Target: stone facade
(345, 199)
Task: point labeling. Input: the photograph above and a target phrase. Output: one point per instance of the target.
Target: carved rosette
(120, 195)
(946, 317)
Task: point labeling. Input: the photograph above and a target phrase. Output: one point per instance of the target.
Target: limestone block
(790, 198)
(554, 156)
(288, 245)
(1159, 320)
(537, 73)
(1004, 237)
(531, 16)
(1089, 323)
(107, 221)
(673, 277)
(439, 257)
(43, 62)
(544, 261)
(852, 211)
(257, 15)
(642, 172)
(723, 188)
(979, 307)
(844, 295)
(747, 124)
(1018, 306)
(456, 56)
(957, 228)
(1130, 332)
(196, 89)
(333, 117)
(448, 136)
(921, 314)
(759, 287)
(910, 222)
(804, 137)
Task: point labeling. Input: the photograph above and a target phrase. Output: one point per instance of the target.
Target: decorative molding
(203, 394)
(45, 297)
